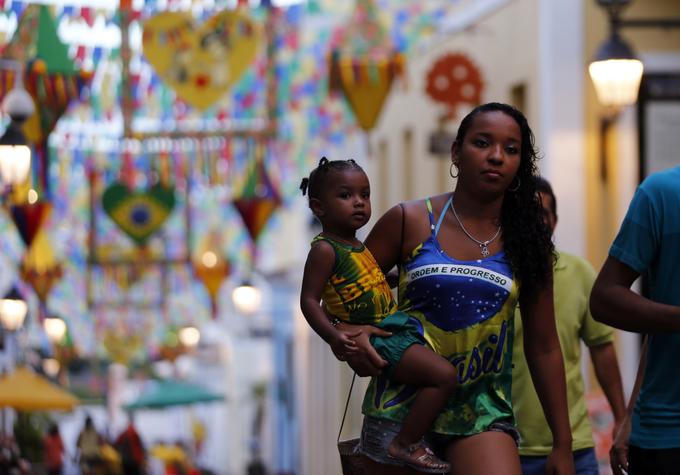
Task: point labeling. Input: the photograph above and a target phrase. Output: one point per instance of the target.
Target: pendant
(485, 250)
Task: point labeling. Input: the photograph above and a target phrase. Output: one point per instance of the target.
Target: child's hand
(343, 344)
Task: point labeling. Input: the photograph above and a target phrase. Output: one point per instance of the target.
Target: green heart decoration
(138, 213)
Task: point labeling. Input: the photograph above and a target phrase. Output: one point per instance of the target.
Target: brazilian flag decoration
(138, 213)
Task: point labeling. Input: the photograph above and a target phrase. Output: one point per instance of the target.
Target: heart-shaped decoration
(202, 62)
(138, 213)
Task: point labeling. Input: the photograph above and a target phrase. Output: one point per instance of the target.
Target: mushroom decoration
(454, 80)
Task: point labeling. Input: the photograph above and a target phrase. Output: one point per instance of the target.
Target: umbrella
(173, 393)
(25, 390)
(169, 453)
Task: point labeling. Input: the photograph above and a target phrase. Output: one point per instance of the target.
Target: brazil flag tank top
(357, 291)
(465, 310)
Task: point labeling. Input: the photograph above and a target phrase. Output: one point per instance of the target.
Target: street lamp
(51, 367)
(55, 328)
(15, 155)
(247, 298)
(13, 310)
(615, 70)
(189, 337)
(616, 73)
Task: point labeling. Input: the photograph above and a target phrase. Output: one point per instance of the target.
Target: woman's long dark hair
(526, 237)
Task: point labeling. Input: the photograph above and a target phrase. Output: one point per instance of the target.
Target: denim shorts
(377, 434)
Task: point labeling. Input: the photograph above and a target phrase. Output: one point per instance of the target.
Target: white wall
(561, 71)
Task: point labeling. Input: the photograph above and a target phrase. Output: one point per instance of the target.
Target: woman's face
(490, 153)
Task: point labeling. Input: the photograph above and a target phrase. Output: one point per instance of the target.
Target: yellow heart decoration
(201, 62)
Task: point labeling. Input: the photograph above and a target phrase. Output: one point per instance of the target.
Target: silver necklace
(483, 245)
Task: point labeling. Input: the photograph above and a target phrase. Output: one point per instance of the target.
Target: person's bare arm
(608, 375)
(318, 269)
(613, 302)
(618, 454)
(546, 365)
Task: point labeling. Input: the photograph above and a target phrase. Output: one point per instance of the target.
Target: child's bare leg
(436, 378)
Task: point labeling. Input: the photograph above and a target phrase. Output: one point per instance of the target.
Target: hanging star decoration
(258, 199)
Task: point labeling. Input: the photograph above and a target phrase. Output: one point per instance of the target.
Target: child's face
(345, 203)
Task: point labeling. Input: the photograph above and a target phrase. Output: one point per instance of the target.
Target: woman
(461, 258)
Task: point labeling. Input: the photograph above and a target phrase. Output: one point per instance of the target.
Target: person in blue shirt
(648, 244)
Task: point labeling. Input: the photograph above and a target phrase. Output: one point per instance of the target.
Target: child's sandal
(427, 462)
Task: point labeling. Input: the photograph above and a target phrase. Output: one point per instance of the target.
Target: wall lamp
(616, 72)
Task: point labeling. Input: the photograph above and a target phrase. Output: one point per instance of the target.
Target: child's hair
(313, 185)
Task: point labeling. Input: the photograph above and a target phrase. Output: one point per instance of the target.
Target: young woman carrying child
(341, 273)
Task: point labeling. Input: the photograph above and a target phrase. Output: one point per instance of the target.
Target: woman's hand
(618, 454)
(364, 360)
(343, 344)
(560, 462)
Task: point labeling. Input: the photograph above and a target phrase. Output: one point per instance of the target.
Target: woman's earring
(451, 170)
(516, 187)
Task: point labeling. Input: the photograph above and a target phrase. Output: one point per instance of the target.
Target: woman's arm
(318, 269)
(544, 357)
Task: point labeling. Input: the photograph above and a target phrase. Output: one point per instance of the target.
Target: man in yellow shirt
(573, 280)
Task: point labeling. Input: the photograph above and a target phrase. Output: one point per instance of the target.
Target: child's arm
(318, 269)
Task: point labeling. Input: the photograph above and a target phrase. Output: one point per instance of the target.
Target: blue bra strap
(441, 216)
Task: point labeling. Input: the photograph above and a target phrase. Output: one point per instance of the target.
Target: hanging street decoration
(171, 347)
(29, 219)
(138, 213)
(124, 276)
(40, 268)
(122, 346)
(257, 200)
(50, 77)
(65, 351)
(363, 64)
(211, 267)
(201, 63)
(308, 124)
(453, 80)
